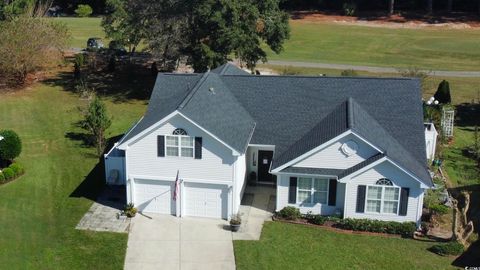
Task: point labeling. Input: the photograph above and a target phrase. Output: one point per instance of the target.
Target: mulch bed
(330, 225)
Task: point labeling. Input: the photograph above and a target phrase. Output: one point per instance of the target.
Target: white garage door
(206, 200)
(154, 196)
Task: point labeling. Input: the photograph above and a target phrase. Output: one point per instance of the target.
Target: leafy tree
(28, 44)
(97, 121)
(124, 22)
(205, 32)
(83, 10)
(443, 93)
(10, 145)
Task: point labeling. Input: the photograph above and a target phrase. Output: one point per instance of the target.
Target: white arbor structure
(448, 115)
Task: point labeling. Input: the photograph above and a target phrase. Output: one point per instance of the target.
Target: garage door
(154, 196)
(206, 200)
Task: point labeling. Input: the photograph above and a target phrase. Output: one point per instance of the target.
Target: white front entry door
(206, 200)
(154, 196)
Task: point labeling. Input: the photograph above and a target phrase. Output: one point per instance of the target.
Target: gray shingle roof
(296, 113)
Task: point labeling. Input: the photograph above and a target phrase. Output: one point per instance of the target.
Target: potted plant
(130, 210)
(235, 222)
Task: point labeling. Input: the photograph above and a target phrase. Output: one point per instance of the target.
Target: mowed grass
(82, 29)
(435, 49)
(39, 212)
(288, 246)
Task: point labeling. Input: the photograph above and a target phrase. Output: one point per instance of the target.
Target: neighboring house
(348, 146)
(431, 135)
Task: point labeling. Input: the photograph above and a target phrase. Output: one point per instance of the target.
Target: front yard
(289, 246)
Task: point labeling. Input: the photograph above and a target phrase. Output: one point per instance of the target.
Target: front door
(264, 161)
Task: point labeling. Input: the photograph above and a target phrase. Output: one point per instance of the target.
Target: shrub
(17, 169)
(439, 209)
(443, 93)
(349, 73)
(318, 220)
(8, 173)
(405, 229)
(130, 210)
(290, 213)
(10, 146)
(2, 177)
(83, 10)
(450, 248)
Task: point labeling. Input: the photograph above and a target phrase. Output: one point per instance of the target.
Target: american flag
(177, 187)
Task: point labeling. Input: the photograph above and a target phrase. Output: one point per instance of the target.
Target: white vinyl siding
(399, 179)
(216, 163)
(283, 181)
(332, 156)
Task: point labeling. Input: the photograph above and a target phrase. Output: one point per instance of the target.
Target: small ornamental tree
(443, 93)
(83, 10)
(10, 145)
(96, 121)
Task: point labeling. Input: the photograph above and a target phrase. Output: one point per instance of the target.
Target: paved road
(438, 73)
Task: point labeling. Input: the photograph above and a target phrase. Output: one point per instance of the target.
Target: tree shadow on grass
(126, 83)
(94, 183)
(468, 115)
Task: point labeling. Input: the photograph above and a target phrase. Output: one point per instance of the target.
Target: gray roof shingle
(296, 113)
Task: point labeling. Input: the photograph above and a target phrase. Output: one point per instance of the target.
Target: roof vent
(212, 90)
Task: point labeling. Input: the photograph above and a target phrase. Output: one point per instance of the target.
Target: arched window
(384, 182)
(179, 131)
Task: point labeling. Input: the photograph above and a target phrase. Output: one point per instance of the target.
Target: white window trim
(180, 146)
(312, 191)
(382, 200)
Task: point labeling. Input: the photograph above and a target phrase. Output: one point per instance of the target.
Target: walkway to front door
(168, 242)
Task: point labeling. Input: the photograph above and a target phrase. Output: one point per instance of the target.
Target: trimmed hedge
(8, 173)
(290, 213)
(450, 248)
(405, 229)
(439, 209)
(17, 169)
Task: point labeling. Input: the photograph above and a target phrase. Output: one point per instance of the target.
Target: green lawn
(436, 49)
(82, 29)
(287, 246)
(39, 212)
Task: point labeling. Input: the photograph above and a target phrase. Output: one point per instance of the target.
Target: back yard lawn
(288, 246)
(40, 210)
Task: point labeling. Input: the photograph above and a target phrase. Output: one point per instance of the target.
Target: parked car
(94, 43)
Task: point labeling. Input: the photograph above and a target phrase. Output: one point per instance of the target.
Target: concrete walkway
(167, 242)
(257, 207)
(437, 73)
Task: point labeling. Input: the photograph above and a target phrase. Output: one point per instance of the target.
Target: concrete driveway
(167, 242)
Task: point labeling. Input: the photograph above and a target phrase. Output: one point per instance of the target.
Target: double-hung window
(179, 144)
(383, 197)
(312, 190)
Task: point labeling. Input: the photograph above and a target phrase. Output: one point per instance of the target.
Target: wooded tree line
(385, 5)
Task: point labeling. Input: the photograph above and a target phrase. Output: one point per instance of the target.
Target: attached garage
(154, 196)
(206, 200)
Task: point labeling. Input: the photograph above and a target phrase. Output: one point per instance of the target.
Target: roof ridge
(323, 77)
(192, 92)
(350, 115)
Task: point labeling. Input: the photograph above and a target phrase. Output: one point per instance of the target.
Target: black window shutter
(292, 191)
(361, 190)
(332, 192)
(404, 201)
(161, 146)
(198, 147)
